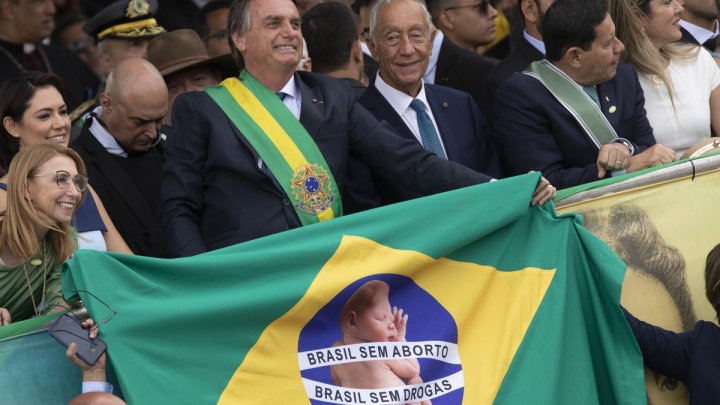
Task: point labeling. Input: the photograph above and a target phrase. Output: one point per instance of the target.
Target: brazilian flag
(467, 297)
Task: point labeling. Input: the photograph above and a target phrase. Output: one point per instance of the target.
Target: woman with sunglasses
(33, 112)
(46, 184)
(681, 82)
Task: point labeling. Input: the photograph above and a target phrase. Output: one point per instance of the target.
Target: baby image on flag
(381, 357)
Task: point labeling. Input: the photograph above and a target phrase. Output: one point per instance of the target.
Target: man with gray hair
(440, 119)
(269, 151)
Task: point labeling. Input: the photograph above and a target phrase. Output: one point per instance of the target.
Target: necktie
(428, 134)
(592, 92)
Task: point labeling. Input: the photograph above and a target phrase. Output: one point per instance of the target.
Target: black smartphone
(66, 329)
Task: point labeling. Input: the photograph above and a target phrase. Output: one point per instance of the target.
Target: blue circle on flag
(312, 185)
(321, 340)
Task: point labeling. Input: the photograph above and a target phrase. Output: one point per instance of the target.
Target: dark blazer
(517, 61)
(357, 86)
(462, 70)
(711, 44)
(132, 213)
(535, 132)
(79, 82)
(215, 195)
(466, 137)
(692, 357)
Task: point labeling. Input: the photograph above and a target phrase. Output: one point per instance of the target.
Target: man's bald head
(96, 398)
(134, 103)
(135, 77)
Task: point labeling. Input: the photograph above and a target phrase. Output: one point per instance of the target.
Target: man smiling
(578, 115)
(268, 151)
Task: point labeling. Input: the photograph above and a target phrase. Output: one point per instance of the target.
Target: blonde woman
(681, 82)
(46, 184)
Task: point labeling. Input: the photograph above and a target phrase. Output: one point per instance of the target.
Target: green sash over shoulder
(283, 144)
(575, 100)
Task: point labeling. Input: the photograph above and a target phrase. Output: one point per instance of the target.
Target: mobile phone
(66, 329)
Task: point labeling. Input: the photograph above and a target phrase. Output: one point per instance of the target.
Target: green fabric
(190, 322)
(14, 290)
(575, 100)
(284, 173)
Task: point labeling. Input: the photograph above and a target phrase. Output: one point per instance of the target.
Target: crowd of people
(169, 129)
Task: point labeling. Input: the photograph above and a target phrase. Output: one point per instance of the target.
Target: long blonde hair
(640, 52)
(18, 230)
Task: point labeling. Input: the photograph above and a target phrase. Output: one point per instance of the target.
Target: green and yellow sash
(283, 144)
(575, 100)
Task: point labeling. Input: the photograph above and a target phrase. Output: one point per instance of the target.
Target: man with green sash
(268, 151)
(578, 115)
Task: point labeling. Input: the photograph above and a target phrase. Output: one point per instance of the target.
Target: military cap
(125, 19)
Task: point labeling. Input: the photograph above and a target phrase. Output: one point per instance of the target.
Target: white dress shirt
(401, 104)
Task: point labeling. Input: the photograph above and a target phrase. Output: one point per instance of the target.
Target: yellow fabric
(502, 29)
(272, 129)
(465, 290)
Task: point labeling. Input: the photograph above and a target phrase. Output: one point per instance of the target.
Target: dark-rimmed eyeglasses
(481, 7)
(63, 179)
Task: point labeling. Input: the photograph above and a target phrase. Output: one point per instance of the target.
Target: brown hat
(181, 49)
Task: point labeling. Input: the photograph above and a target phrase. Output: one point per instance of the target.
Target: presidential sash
(283, 144)
(575, 100)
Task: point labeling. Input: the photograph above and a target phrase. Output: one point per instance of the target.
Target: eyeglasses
(481, 7)
(63, 179)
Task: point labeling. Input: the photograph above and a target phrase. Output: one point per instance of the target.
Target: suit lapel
(442, 75)
(609, 104)
(383, 111)
(441, 112)
(312, 109)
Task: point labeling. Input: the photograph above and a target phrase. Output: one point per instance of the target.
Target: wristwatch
(627, 144)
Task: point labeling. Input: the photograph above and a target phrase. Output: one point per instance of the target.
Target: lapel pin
(612, 109)
(445, 104)
(607, 99)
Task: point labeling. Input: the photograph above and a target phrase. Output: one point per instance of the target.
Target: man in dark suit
(223, 186)
(461, 130)
(699, 24)
(457, 67)
(461, 69)
(340, 57)
(538, 131)
(530, 49)
(24, 24)
(120, 146)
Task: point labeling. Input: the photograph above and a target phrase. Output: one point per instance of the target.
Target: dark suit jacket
(214, 195)
(687, 37)
(692, 357)
(466, 137)
(535, 132)
(79, 82)
(132, 215)
(462, 70)
(517, 61)
(357, 86)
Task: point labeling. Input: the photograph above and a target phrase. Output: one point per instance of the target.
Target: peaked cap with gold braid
(123, 19)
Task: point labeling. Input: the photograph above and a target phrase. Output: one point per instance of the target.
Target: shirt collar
(290, 89)
(536, 43)
(699, 33)
(104, 137)
(399, 101)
